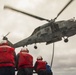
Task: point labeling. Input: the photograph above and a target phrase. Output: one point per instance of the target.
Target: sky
(21, 26)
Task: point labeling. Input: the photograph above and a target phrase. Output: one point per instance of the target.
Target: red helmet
(39, 58)
(24, 50)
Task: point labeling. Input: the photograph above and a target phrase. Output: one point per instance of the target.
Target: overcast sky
(21, 26)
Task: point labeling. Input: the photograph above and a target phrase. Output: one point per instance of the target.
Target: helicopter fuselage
(47, 33)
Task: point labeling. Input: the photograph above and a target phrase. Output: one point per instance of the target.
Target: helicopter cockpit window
(37, 29)
(46, 30)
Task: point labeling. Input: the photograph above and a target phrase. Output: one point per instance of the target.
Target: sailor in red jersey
(25, 62)
(7, 59)
(40, 66)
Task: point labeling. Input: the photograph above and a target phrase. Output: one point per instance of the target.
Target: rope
(52, 55)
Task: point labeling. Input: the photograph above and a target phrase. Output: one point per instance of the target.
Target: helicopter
(51, 32)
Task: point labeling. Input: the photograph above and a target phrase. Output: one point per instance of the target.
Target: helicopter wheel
(66, 40)
(35, 46)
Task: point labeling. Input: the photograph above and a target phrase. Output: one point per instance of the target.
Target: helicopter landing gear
(35, 46)
(65, 39)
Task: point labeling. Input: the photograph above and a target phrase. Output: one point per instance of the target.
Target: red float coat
(41, 65)
(25, 60)
(7, 56)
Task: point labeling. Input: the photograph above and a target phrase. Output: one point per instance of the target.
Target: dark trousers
(7, 71)
(41, 72)
(25, 71)
(50, 73)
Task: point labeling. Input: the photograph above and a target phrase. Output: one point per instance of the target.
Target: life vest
(6, 56)
(41, 65)
(25, 60)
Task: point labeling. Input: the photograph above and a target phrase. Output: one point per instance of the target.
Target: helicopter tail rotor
(4, 37)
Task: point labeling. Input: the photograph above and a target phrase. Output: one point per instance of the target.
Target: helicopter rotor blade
(34, 16)
(37, 17)
(64, 8)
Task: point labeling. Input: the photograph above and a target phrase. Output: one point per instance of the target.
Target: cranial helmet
(3, 42)
(39, 58)
(24, 50)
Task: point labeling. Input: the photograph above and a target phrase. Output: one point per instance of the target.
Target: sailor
(25, 62)
(48, 69)
(7, 59)
(40, 66)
